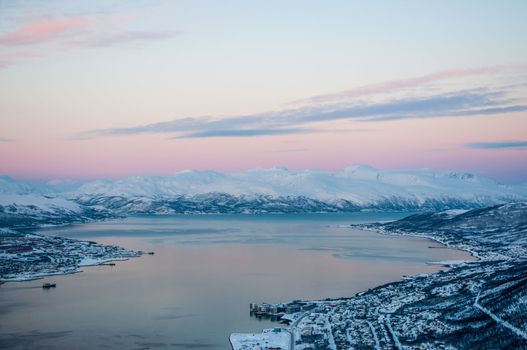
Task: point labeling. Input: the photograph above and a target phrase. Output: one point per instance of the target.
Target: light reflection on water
(207, 269)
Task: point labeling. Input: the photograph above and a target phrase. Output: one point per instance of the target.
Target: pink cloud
(393, 85)
(70, 33)
(47, 30)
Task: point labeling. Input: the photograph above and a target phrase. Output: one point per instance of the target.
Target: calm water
(196, 289)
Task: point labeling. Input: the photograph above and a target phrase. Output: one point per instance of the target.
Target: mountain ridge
(273, 190)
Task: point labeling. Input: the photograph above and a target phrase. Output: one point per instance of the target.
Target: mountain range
(274, 190)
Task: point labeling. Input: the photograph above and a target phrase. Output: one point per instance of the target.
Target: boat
(48, 285)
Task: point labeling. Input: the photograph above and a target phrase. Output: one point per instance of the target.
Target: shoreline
(420, 235)
(364, 227)
(44, 275)
(320, 304)
(29, 256)
(39, 229)
(471, 304)
(437, 307)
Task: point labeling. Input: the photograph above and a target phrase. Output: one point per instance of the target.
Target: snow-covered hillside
(360, 184)
(26, 210)
(11, 186)
(279, 190)
(283, 190)
(27, 203)
(477, 304)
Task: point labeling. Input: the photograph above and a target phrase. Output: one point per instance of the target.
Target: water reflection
(206, 271)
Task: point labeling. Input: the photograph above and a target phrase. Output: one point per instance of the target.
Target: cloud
(499, 145)
(461, 103)
(305, 119)
(242, 133)
(395, 85)
(5, 139)
(119, 38)
(97, 31)
(46, 30)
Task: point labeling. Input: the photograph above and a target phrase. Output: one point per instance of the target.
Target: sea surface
(206, 270)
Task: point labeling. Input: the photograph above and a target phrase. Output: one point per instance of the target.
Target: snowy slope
(9, 185)
(360, 184)
(38, 202)
(279, 190)
(354, 187)
(28, 210)
(499, 229)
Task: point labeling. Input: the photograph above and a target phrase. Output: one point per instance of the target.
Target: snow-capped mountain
(27, 203)
(283, 190)
(275, 190)
(360, 184)
(27, 210)
(11, 186)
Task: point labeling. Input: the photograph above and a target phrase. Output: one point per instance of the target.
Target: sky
(108, 89)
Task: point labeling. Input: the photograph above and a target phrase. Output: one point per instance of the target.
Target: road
(291, 327)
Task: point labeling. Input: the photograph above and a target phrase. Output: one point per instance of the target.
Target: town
(26, 256)
(476, 304)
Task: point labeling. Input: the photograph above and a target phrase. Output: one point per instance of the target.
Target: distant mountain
(28, 210)
(11, 186)
(278, 190)
(27, 204)
(282, 190)
(360, 184)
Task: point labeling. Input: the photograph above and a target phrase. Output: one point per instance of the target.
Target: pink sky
(88, 90)
(397, 144)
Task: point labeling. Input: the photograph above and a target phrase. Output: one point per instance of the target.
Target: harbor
(277, 311)
(308, 327)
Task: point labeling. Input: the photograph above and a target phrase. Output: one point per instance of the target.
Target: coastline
(445, 244)
(37, 276)
(438, 310)
(427, 305)
(101, 261)
(318, 306)
(35, 229)
(29, 256)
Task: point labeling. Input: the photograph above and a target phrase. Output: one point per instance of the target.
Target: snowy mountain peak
(196, 172)
(353, 188)
(360, 185)
(360, 168)
(277, 169)
(465, 177)
(8, 185)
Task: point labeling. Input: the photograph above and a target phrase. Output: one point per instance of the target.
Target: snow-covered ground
(266, 190)
(360, 184)
(273, 338)
(25, 256)
(33, 203)
(473, 305)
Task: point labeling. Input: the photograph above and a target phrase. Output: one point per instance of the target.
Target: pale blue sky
(70, 67)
